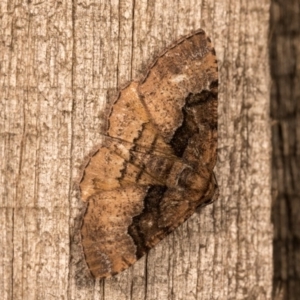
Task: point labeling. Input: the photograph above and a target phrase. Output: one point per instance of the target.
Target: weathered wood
(60, 61)
(285, 96)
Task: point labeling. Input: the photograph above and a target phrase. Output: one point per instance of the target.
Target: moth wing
(112, 167)
(180, 94)
(107, 246)
(130, 121)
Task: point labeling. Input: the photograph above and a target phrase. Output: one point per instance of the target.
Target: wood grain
(284, 55)
(60, 63)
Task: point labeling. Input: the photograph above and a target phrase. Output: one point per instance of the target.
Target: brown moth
(155, 165)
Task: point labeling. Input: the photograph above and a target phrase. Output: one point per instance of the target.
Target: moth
(155, 164)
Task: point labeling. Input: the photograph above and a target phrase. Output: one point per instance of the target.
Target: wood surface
(60, 62)
(285, 99)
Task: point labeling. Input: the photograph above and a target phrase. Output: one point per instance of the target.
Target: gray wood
(59, 63)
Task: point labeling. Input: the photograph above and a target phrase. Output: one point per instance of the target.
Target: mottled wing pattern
(155, 166)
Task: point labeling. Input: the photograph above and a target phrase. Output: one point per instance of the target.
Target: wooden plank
(284, 55)
(36, 111)
(61, 62)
